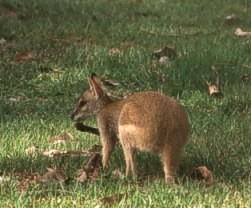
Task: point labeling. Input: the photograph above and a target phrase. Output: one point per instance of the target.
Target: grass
(75, 38)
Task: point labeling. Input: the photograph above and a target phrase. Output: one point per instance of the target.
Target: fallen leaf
(94, 162)
(2, 41)
(202, 172)
(96, 148)
(246, 77)
(82, 178)
(19, 98)
(53, 152)
(23, 57)
(56, 73)
(240, 32)
(231, 20)
(32, 151)
(95, 174)
(109, 82)
(26, 179)
(7, 12)
(53, 175)
(62, 139)
(213, 89)
(117, 174)
(110, 200)
(166, 51)
(114, 52)
(4, 178)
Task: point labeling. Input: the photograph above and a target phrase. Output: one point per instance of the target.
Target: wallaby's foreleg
(83, 128)
(108, 147)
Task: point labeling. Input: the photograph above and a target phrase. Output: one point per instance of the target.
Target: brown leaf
(117, 174)
(25, 179)
(7, 12)
(213, 89)
(53, 152)
(239, 32)
(82, 178)
(96, 174)
(53, 175)
(109, 82)
(110, 200)
(203, 173)
(166, 52)
(23, 57)
(231, 20)
(246, 77)
(96, 148)
(94, 162)
(62, 139)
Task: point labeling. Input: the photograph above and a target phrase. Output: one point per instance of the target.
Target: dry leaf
(231, 20)
(9, 13)
(168, 52)
(25, 179)
(96, 148)
(53, 152)
(4, 178)
(117, 174)
(53, 175)
(62, 139)
(82, 178)
(246, 77)
(94, 162)
(23, 57)
(240, 32)
(109, 82)
(2, 41)
(213, 89)
(95, 174)
(56, 73)
(115, 52)
(32, 151)
(203, 173)
(110, 201)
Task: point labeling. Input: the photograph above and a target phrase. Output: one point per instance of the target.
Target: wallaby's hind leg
(170, 159)
(129, 154)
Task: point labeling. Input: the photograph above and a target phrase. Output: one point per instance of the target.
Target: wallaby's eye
(82, 103)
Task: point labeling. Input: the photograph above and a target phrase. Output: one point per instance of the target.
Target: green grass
(75, 37)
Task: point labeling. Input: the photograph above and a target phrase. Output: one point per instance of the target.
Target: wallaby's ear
(96, 86)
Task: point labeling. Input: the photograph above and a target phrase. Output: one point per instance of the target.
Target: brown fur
(147, 121)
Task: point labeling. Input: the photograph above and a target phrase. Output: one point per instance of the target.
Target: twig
(175, 34)
(230, 64)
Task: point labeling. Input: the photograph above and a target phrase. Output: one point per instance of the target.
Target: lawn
(49, 48)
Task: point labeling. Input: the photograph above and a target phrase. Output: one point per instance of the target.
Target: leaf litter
(202, 173)
(62, 139)
(24, 57)
(240, 33)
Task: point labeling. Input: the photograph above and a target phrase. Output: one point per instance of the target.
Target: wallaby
(147, 121)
